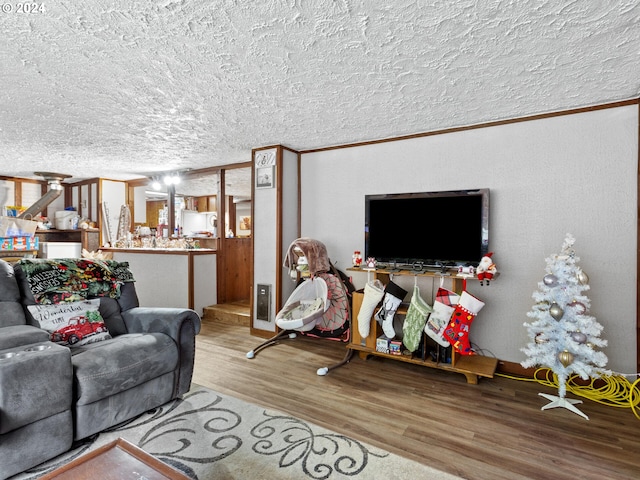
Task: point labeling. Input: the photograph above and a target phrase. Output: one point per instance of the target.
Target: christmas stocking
(414, 321)
(393, 296)
(457, 332)
(373, 292)
(443, 307)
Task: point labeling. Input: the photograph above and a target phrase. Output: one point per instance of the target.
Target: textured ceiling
(127, 88)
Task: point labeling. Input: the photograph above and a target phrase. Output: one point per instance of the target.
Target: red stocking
(457, 332)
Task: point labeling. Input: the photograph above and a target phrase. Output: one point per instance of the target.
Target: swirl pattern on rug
(207, 435)
(318, 454)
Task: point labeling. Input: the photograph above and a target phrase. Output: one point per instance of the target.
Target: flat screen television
(427, 229)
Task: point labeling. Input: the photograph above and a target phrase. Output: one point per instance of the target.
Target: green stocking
(415, 320)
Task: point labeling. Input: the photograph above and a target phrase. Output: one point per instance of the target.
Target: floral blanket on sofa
(74, 279)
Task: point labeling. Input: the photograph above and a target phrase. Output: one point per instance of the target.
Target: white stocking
(386, 314)
(373, 292)
(443, 307)
(394, 294)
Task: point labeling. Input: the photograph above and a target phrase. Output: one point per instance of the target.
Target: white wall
(567, 174)
(267, 262)
(7, 194)
(31, 193)
(193, 221)
(290, 224)
(94, 202)
(265, 256)
(84, 206)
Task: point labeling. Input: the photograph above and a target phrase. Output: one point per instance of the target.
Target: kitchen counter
(172, 277)
(160, 251)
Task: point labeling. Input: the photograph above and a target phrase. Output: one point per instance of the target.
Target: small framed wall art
(264, 176)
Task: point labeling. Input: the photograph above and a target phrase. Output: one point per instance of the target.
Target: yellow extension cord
(617, 391)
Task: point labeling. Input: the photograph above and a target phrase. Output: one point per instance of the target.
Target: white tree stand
(562, 402)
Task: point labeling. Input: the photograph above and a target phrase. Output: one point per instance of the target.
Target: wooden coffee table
(118, 460)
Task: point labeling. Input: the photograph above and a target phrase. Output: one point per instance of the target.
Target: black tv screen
(431, 229)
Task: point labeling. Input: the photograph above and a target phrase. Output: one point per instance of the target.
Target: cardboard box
(7, 243)
(382, 344)
(19, 243)
(395, 347)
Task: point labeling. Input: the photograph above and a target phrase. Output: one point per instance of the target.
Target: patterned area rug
(207, 435)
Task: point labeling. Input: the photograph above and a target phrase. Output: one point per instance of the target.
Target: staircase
(236, 313)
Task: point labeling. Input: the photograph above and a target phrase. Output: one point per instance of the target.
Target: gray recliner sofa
(51, 395)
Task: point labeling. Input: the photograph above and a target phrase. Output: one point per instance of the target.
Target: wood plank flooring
(236, 313)
(494, 430)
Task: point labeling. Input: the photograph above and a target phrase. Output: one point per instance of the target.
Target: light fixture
(171, 179)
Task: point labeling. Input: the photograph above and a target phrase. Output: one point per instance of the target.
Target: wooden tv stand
(471, 366)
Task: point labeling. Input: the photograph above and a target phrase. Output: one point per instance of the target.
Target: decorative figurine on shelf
(371, 263)
(466, 271)
(486, 269)
(357, 259)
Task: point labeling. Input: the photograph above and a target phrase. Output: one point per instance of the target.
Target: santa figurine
(486, 269)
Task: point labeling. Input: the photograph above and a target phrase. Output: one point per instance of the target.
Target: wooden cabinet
(207, 204)
(153, 212)
(88, 237)
(471, 366)
(13, 256)
(234, 270)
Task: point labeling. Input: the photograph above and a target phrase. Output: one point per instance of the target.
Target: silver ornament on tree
(583, 278)
(556, 311)
(578, 337)
(550, 280)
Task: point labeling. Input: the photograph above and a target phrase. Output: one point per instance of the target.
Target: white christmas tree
(564, 336)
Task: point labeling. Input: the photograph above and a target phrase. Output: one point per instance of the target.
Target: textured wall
(571, 174)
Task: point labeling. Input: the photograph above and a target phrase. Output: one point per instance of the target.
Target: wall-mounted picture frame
(265, 177)
(245, 223)
(265, 158)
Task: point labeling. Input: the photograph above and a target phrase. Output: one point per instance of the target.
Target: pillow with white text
(72, 324)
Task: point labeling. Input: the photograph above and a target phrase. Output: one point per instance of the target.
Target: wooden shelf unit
(471, 366)
(13, 256)
(88, 237)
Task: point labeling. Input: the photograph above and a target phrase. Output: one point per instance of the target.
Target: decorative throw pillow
(72, 324)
